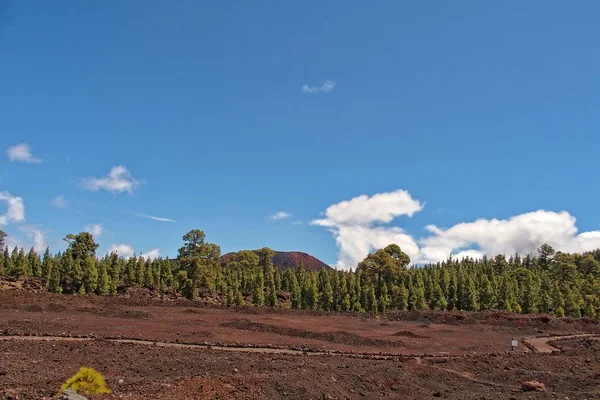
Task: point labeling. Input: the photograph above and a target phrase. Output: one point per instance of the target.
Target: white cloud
(521, 234)
(37, 237)
(353, 224)
(152, 254)
(15, 209)
(279, 215)
(161, 219)
(365, 210)
(361, 225)
(59, 202)
(123, 250)
(298, 222)
(118, 180)
(325, 87)
(21, 153)
(95, 229)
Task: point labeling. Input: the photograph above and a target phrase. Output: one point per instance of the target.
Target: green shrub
(87, 381)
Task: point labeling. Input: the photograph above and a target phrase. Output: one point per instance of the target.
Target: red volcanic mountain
(289, 259)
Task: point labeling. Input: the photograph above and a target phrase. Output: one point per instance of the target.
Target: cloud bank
(362, 224)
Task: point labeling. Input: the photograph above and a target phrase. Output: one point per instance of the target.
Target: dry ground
(402, 355)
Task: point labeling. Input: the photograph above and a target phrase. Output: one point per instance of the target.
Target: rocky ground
(250, 353)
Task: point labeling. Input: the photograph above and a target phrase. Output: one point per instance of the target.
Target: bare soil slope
(409, 355)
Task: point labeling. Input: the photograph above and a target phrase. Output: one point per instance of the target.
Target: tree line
(549, 282)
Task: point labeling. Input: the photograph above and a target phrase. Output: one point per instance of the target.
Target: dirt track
(542, 344)
(148, 349)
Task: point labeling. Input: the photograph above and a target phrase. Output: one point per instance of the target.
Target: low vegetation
(550, 282)
(86, 381)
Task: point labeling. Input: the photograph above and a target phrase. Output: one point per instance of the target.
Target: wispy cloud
(161, 219)
(118, 180)
(36, 235)
(15, 209)
(95, 229)
(22, 153)
(325, 87)
(279, 215)
(59, 202)
(298, 222)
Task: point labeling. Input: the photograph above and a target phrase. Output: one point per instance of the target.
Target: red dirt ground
(427, 354)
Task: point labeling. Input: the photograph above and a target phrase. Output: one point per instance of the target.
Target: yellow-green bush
(86, 381)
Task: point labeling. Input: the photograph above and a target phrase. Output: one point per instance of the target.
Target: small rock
(3, 371)
(437, 394)
(120, 381)
(236, 370)
(533, 386)
(70, 394)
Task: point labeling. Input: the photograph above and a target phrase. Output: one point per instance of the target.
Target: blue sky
(478, 110)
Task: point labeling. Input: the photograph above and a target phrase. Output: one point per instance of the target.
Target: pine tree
(438, 301)
(130, 270)
(530, 300)
(313, 292)
(46, 266)
(166, 274)
(229, 299)
(399, 297)
(558, 301)
(258, 290)
(452, 299)
(487, 297)
(103, 279)
(35, 264)
(8, 265)
(54, 277)
(573, 303)
(372, 299)
(189, 289)
(149, 274)
(239, 299)
(296, 296)
(384, 299)
(140, 271)
(90, 275)
(21, 264)
(326, 297)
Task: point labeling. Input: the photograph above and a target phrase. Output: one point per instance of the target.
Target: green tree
(545, 255)
(487, 297)
(258, 290)
(438, 300)
(296, 293)
(82, 245)
(384, 299)
(46, 266)
(103, 278)
(90, 275)
(387, 263)
(35, 264)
